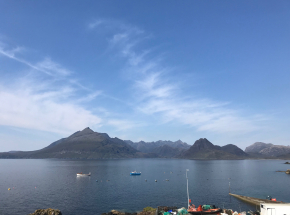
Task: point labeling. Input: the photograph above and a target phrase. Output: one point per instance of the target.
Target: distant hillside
(284, 156)
(275, 151)
(233, 149)
(85, 144)
(151, 147)
(204, 149)
(167, 151)
(268, 150)
(257, 147)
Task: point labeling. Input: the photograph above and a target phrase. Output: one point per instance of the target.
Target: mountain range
(204, 149)
(87, 144)
(268, 150)
(160, 148)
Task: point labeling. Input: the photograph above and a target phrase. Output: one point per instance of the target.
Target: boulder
(114, 212)
(48, 211)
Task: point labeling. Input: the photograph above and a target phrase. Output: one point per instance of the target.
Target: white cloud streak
(123, 125)
(47, 101)
(155, 94)
(50, 99)
(46, 66)
(43, 111)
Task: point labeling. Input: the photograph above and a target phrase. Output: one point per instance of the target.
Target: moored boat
(135, 173)
(82, 174)
(205, 209)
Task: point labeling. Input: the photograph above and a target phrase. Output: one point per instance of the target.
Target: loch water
(48, 183)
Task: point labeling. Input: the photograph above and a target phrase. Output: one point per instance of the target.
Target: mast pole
(187, 189)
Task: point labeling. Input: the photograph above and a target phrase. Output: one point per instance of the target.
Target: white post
(187, 189)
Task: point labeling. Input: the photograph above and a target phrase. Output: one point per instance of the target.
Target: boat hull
(210, 211)
(80, 174)
(135, 173)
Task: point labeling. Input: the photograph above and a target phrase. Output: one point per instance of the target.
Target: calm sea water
(48, 183)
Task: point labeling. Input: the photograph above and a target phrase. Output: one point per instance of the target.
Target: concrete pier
(254, 201)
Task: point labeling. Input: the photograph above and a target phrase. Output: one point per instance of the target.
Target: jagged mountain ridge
(167, 151)
(204, 149)
(85, 144)
(151, 147)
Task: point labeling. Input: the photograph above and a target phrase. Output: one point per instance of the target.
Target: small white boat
(82, 174)
(135, 173)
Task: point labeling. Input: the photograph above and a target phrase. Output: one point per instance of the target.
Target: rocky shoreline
(50, 211)
(144, 212)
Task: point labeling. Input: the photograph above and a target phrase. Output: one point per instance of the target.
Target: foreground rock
(48, 211)
(146, 211)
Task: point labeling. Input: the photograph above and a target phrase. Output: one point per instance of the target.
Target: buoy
(145, 179)
(155, 180)
(9, 189)
(35, 187)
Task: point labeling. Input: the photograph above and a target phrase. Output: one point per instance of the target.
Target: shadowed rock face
(48, 211)
(202, 144)
(85, 144)
(167, 151)
(204, 149)
(233, 149)
(151, 147)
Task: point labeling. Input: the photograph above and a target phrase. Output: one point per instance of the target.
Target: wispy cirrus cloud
(95, 24)
(122, 125)
(46, 66)
(165, 99)
(46, 98)
(49, 98)
(34, 111)
(157, 94)
(123, 37)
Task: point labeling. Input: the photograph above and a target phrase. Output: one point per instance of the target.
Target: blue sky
(144, 70)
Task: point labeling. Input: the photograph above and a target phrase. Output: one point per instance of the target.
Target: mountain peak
(87, 130)
(81, 133)
(203, 143)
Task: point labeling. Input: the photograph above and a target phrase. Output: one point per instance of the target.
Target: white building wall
(274, 209)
